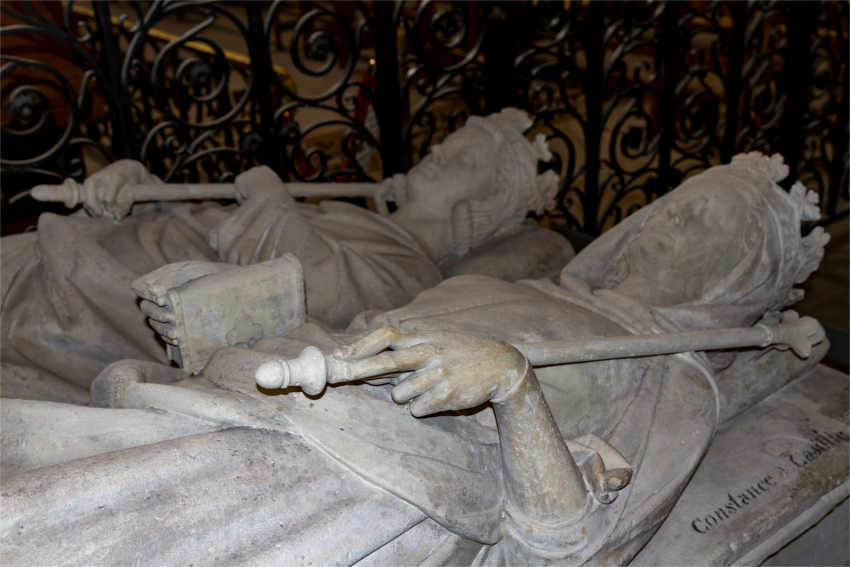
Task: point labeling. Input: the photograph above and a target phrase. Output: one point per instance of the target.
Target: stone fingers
(432, 401)
(162, 321)
(167, 330)
(154, 311)
(92, 190)
(382, 339)
(417, 384)
(392, 362)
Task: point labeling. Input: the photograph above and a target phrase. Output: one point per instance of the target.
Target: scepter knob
(273, 375)
(797, 333)
(309, 372)
(70, 193)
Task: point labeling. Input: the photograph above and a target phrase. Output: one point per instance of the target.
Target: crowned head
(485, 178)
(726, 246)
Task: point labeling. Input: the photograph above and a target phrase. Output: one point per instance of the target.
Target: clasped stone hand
(102, 190)
(438, 371)
(153, 289)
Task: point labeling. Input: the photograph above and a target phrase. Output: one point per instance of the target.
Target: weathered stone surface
(528, 252)
(427, 427)
(824, 544)
(218, 310)
(69, 311)
(763, 470)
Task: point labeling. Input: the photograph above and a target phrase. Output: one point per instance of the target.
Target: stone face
(548, 421)
(764, 469)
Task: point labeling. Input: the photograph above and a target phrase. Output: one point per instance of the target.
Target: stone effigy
(69, 310)
(449, 446)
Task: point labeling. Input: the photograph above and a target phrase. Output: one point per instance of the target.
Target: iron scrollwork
(553, 87)
(593, 81)
(634, 97)
(629, 172)
(194, 109)
(443, 80)
(341, 140)
(49, 114)
(700, 115)
(764, 97)
(824, 166)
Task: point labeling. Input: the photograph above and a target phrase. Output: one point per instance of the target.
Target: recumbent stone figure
(69, 310)
(460, 427)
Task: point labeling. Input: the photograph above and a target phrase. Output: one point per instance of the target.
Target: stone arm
(266, 205)
(441, 371)
(362, 263)
(101, 193)
(113, 191)
(553, 487)
(267, 224)
(542, 481)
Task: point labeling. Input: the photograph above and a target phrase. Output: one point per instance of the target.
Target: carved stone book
(269, 303)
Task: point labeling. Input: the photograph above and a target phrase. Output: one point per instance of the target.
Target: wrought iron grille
(634, 97)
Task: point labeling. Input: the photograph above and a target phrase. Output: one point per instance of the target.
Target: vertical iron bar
(800, 20)
(124, 141)
(839, 145)
(670, 48)
(595, 91)
(262, 72)
(499, 52)
(388, 89)
(733, 80)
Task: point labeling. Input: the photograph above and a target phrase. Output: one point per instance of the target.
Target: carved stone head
(723, 249)
(485, 177)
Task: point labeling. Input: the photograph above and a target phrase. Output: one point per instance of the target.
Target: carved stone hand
(152, 288)
(101, 191)
(454, 371)
(443, 371)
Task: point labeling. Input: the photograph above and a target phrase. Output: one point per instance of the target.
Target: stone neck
(430, 230)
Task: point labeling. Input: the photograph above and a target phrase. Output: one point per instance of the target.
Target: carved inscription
(821, 443)
(734, 505)
(738, 500)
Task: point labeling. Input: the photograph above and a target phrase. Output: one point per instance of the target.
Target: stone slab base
(826, 543)
(770, 475)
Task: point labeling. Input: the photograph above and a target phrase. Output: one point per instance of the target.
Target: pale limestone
(456, 445)
(68, 308)
(755, 479)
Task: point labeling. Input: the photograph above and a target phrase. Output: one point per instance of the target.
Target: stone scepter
(313, 370)
(71, 192)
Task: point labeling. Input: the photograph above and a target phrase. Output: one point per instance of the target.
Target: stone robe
(232, 474)
(210, 469)
(68, 309)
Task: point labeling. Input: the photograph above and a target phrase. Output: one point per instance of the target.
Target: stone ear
(461, 228)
